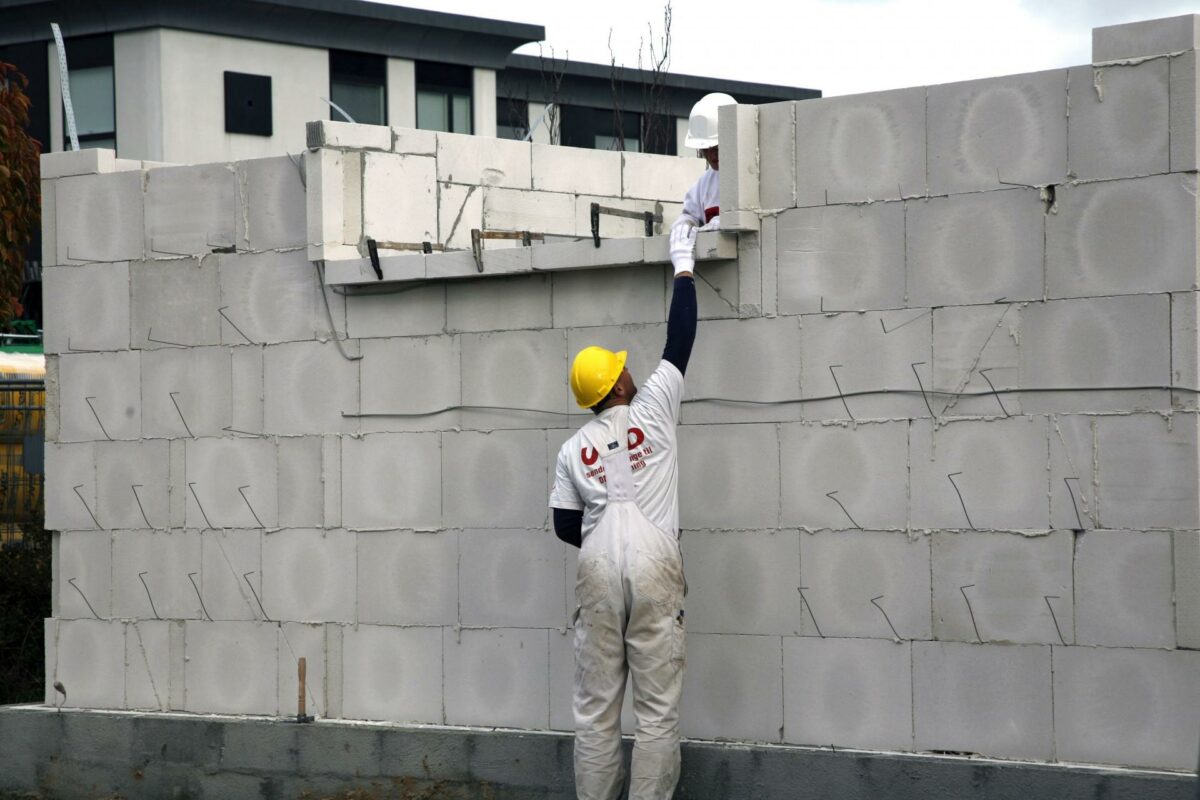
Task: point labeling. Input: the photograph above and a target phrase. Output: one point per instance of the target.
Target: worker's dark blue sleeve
(681, 324)
(568, 526)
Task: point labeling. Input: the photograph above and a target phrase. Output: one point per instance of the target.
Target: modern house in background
(235, 79)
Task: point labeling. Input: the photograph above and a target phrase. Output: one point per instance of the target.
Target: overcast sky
(837, 46)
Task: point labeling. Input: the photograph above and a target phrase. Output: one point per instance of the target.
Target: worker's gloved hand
(683, 243)
(713, 224)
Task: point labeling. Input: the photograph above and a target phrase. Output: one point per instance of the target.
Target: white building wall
(402, 92)
(483, 102)
(137, 73)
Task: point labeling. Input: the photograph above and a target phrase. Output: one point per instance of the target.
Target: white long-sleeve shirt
(703, 201)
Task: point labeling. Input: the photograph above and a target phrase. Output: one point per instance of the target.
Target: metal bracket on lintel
(373, 251)
(477, 237)
(649, 217)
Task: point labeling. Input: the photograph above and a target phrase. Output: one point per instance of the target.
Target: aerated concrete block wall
(953, 505)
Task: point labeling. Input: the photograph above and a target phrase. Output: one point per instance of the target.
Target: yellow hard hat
(594, 374)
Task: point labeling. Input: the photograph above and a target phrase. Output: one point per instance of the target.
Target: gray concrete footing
(86, 754)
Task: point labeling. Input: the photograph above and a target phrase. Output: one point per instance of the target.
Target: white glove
(714, 224)
(683, 243)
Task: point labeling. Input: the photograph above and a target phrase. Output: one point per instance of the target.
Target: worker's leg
(599, 677)
(654, 640)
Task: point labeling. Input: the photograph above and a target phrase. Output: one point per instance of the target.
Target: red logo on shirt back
(589, 455)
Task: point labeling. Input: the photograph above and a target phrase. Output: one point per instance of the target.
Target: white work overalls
(630, 590)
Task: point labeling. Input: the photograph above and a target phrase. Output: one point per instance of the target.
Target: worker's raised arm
(681, 323)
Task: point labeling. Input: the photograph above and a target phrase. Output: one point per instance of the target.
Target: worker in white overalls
(702, 205)
(616, 497)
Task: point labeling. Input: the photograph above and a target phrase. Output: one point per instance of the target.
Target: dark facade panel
(248, 104)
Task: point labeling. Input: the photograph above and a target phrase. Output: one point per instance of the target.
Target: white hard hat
(702, 124)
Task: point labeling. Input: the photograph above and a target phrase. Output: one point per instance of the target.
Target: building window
(93, 95)
(596, 129)
(248, 104)
(512, 118)
(358, 84)
(443, 97)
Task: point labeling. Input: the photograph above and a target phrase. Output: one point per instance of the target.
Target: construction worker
(702, 205)
(616, 497)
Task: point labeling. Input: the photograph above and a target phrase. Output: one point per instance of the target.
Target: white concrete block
(299, 640)
(1124, 706)
(86, 308)
(976, 248)
(654, 177)
(494, 479)
(613, 227)
(70, 491)
(511, 579)
(392, 674)
(845, 353)
(186, 393)
(179, 490)
(163, 560)
(743, 582)
(1123, 584)
(576, 170)
(408, 578)
(539, 212)
(1185, 135)
(274, 297)
(998, 466)
(348, 135)
(994, 700)
(733, 480)
(847, 693)
(987, 133)
(352, 204)
(734, 688)
(863, 584)
(841, 258)
(414, 141)
(308, 387)
(1153, 37)
(90, 161)
(324, 178)
(609, 297)
(230, 667)
(89, 662)
(497, 678)
(752, 359)
(272, 211)
(49, 216)
(83, 575)
(518, 369)
(489, 162)
(971, 346)
(499, 304)
(309, 575)
(865, 467)
(739, 180)
(419, 312)
(582, 254)
(132, 483)
(301, 469)
(400, 200)
(860, 147)
(148, 665)
(777, 154)
(1003, 585)
(1119, 124)
(1122, 237)
(247, 389)
(99, 396)
(1072, 472)
(391, 480)
(190, 210)
(1185, 350)
(98, 218)
(1187, 588)
(1147, 469)
(410, 375)
(175, 303)
(231, 483)
(460, 209)
(1096, 343)
(232, 563)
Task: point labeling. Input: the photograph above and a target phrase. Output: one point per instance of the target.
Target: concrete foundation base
(85, 754)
